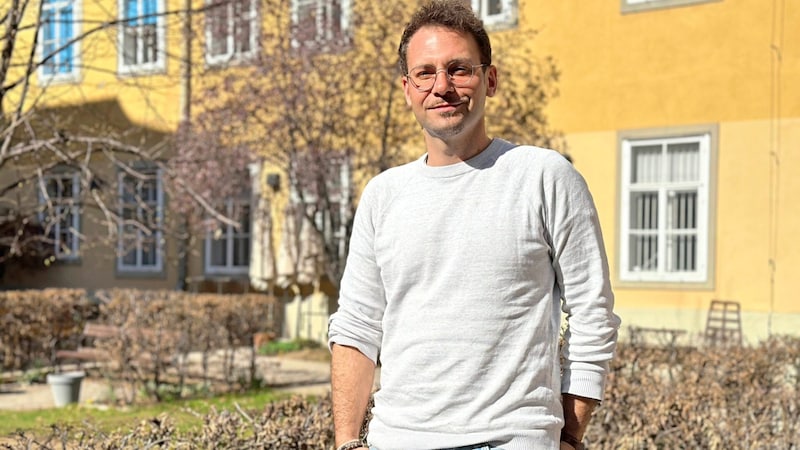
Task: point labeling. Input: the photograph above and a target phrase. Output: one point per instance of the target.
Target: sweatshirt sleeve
(357, 322)
(582, 273)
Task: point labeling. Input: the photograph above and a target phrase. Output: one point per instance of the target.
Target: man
(459, 266)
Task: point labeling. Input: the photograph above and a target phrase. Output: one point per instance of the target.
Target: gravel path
(286, 374)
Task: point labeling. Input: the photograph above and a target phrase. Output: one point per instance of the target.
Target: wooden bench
(93, 333)
(86, 351)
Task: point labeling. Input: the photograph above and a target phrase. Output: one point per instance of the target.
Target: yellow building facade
(720, 82)
(683, 115)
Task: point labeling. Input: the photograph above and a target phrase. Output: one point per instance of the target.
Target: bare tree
(324, 92)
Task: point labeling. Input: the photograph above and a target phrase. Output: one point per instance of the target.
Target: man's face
(446, 110)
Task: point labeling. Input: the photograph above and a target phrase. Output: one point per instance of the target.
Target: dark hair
(453, 14)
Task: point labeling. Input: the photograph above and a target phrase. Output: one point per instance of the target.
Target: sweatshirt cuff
(583, 383)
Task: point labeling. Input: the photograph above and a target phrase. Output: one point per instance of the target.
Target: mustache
(449, 102)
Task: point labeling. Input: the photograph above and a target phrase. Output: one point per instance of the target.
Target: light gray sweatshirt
(455, 277)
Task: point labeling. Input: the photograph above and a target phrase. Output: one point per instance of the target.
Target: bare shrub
(159, 330)
(710, 397)
(663, 398)
(34, 323)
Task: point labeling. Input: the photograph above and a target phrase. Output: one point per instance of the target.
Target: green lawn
(183, 412)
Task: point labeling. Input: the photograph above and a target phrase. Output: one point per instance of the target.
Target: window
(140, 243)
(642, 5)
(317, 22)
(142, 36)
(665, 209)
(59, 27)
(59, 197)
(496, 13)
(227, 251)
(231, 31)
(321, 183)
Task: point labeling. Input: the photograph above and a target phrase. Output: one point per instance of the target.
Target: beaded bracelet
(350, 445)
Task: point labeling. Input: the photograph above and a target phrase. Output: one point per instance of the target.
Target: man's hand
(577, 413)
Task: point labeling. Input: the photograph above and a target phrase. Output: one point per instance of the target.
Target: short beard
(449, 131)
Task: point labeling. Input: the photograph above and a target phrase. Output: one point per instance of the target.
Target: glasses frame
(445, 70)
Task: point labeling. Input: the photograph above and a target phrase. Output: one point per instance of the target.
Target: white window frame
(233, 54)
(160, 64)
(229, 234)
(324, 34)
(139, 267)
(56, 7)
(506, 18)
(60, 205)
(702, 272)
(629, 6)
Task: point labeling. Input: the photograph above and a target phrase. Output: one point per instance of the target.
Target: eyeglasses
(424, 77)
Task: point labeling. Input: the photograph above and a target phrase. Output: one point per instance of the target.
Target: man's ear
(406, 87)
(491, 81)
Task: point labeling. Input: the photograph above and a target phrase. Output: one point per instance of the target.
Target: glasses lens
(459, 73)
(423, 77)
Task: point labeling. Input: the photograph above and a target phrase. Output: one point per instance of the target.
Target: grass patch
(183, 412)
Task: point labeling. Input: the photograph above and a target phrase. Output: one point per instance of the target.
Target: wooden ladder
(724, 323)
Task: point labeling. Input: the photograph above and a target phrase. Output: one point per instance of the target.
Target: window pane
(684, 162)
(306, 20)
(149, 251)
(242, 32)
(148, 191)
(129, 247)
(132, 12)
(682, 207)
(241, 252)
(682, 231)
(65, 242)
(646, 165)
(644, 211)
(643, 249)
(129, 44)
(150, 43)
(682, 252)
(54, 188)
(218, 29)
(643, 228)
(333, 17)
(65, 57)
(244, 219)
(494, 7)
(149, 11)
(219, 256)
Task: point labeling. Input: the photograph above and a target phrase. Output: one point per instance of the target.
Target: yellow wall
(709, 63)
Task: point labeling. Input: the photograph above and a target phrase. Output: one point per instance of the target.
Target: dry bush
(710, 397)
(160, 329)
(33, 323)
(657, 398)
